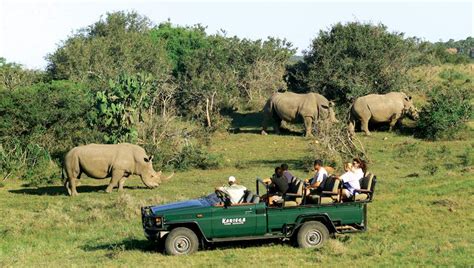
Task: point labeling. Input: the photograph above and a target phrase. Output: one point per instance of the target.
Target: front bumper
(151, 221)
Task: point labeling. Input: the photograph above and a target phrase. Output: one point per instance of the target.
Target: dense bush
(120, 43)
(13, 75)
(352, 60)
(120, 107)
(31, 163)
(426, 53)
(215, 73)
(52, 115)
(449, 108)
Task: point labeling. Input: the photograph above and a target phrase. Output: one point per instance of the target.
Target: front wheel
(312, 234)
(181, 241)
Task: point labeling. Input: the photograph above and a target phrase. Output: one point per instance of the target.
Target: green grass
(415, 219)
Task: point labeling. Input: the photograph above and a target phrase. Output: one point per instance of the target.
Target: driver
(234, 190)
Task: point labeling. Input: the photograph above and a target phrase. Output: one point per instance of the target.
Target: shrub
(52, 115)
(197, 157)
(449, 108)
(355, 59)
(121, 106)
(334, 144)
(31, 163)
(119, 43)
(13, 75)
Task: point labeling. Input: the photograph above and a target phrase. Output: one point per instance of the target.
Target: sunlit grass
(416, 218)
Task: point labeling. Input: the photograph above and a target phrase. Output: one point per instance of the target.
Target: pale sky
(31, 29)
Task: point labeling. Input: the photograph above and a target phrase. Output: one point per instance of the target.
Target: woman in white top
(350, 179)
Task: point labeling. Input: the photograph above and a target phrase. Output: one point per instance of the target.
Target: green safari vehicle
(183, 227)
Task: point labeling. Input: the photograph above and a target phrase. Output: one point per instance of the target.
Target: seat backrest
(329, 184)
(255, 199)
(366, 181)
(248, 196)
(335, 184)
(293, 186)
(299, 191)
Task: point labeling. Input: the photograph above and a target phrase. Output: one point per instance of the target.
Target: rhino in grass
(388, 108)
(293, 107)
(115, 161)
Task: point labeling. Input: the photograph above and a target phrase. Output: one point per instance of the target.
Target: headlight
(158, 220)
(146, 211)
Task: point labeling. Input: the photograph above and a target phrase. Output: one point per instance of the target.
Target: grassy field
(422, 213)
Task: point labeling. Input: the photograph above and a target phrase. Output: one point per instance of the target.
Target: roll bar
(260, 181)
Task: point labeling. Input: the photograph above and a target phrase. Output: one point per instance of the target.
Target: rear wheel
(181, 241)
(312, 234)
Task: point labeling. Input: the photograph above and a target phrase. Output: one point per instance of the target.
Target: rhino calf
(388, 108)
(115, 161)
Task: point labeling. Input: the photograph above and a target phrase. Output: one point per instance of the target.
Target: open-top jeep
(307, 220)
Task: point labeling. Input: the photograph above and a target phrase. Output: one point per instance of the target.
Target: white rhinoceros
(116, 161)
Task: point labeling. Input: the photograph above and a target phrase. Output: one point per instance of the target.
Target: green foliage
(217, 73)
(32, 163)
(431, 168)
(119, 44)
(121, 106)
(355, 59)
(467, 157)
(52, 115)
(449, 108)
(12, 75)
(197, 157)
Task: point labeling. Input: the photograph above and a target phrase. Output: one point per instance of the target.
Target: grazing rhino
(115, 161)
(390, 108)
(293, 107)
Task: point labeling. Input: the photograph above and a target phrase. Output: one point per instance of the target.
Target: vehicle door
(234, 220)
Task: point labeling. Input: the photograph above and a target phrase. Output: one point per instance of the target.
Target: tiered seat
(294, 196)
(330, 192)
(367, 186)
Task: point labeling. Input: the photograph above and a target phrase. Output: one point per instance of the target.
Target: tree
(120, 43)
(13, 75)
(355, 59)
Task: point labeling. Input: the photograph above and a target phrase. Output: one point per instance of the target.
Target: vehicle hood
(194, 203)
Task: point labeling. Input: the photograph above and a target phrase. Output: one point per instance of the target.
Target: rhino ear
(148, 159)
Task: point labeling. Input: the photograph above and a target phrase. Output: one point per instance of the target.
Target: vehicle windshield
(212, 199)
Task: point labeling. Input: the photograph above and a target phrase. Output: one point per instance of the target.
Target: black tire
(181, 241)
(312, 234)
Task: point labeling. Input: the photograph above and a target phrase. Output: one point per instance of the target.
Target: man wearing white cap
(235, 191)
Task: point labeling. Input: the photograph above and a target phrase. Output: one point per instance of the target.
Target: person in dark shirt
(279, 184)
(277, 187)
(286, 173)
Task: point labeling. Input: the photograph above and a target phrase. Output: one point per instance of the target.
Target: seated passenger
(277, 187)
(350, 181)
(319, 176)
(351, 178)
(234, 190)
(286, 173)
(359, 166)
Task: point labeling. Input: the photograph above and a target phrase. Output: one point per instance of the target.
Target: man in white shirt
(235, 191)
(320, 175)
